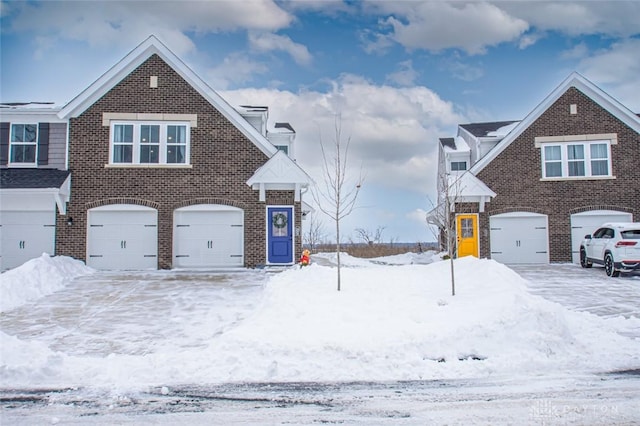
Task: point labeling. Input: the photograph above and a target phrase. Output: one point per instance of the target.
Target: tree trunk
(453, 281)
(338, 249)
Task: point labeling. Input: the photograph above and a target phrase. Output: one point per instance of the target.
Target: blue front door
(280, 239)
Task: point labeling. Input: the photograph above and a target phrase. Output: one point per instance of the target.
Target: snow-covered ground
(123, 335)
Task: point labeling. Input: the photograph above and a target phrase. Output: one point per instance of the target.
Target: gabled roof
(152, 46)
(448, 143)
(582, 84)
(465, 187)
(483, 129)
(279, 173)
(286, 126)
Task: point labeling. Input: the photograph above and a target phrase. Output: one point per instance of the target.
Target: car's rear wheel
(609, 269)
(583, 259)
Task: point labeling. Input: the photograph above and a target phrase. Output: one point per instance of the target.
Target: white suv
(614, 245)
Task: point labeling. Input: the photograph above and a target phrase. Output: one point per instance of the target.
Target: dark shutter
(4, 143)
(43, 144)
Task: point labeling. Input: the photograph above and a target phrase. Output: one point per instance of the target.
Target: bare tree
(337, 195)
(443, 216)
(315, 235)
(370, 237)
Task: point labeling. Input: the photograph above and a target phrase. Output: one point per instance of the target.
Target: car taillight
(625, 243)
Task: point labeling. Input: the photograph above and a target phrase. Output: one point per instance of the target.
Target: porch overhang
(35, 189)
(279, 173)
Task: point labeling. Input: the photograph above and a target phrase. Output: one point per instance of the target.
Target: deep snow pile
(387, 323)
(402, 323)
(37, 278)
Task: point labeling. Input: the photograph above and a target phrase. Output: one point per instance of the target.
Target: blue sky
(401, 74)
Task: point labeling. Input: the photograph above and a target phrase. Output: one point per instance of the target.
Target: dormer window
(24, 144)
(458, 166)
(283, 148)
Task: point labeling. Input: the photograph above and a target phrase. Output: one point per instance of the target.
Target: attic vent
(573, 109)
(153, 81)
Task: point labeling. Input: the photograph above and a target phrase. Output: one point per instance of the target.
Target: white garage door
(122, 236)
(208, 236)
(519, 237)
(25, 235)
(586, 222)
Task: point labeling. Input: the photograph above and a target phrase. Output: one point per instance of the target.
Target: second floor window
(150, 143)
(24, 143)
(576, 160)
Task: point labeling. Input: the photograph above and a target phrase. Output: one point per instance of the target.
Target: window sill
(556, 179)
(22, 166)
(148, 166)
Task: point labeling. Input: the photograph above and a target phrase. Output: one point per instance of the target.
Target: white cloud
(394, 131)
(614, 18)
(441, 25)
(125, 22)
(235, 69)
(475, 26)
(578, 51)
(405, 76)
(616, 69)
(266, 42)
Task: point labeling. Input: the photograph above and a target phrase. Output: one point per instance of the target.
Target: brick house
(528, 191)
(166, 174)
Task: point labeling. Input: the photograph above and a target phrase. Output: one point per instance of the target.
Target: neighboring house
(528, 191)
(34, 180)
(166, 174)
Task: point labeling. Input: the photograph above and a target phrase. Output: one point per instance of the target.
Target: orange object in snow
(304, 260)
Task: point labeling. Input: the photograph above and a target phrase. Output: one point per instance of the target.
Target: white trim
(564, 160)
(136, 58)
(107, 117)
(612, 138)
(162, 144)
(121, 207)
(12, 143)
(573, 80)
(279, 173)
(19, 115)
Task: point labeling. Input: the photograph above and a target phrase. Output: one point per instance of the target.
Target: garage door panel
(521, 238)
(122, 239)
(205, 238)
(25, 235)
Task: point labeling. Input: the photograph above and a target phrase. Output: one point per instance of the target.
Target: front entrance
(467, 235)
(279, 235)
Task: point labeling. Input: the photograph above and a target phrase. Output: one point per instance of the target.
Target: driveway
(589, 290)
(140, 313)
(137, 313)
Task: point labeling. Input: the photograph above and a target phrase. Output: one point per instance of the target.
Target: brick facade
(222, 159)
(515, 174)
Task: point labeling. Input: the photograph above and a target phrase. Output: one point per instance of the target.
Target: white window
(576, 159)
(149, 143)
(24, 143)
(458, 166)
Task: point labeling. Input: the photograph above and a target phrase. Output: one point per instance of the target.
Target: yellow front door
(467, 234)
